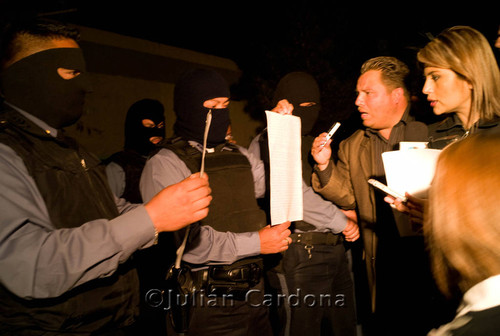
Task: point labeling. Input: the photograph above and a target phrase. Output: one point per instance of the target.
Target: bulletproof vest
(233, 207)
(132, 164)
(307, 168)
(73, 185)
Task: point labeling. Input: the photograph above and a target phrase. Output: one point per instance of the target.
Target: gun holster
(180, 285)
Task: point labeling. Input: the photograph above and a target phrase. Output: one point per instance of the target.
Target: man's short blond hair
(394, 72)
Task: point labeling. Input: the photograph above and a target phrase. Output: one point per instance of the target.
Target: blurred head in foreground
(462, 225)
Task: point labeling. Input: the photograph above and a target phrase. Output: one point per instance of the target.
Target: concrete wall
(125, 69)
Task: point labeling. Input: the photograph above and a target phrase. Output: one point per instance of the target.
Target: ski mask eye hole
(307, 104)
(148, 123)
(68, 74)
(216, 103)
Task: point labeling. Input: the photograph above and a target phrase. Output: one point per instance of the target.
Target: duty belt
(235, 279)
(317, 238)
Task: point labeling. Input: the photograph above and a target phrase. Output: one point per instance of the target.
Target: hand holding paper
(410, 172)
(275, 239)
(283, 107)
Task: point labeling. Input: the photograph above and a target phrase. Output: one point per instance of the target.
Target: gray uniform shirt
(166, 168)
(39, 261)
(116, 178)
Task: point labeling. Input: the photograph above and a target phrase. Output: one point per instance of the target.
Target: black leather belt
(317, 238)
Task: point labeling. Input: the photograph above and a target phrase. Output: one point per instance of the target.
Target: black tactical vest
(73, 185)
(233, 207)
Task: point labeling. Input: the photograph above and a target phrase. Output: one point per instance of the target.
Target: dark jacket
(450, 130)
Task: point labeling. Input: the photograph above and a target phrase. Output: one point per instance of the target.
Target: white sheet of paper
(410, 170)
(285, 167)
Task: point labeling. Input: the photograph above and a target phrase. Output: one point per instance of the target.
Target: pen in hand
(331, 131)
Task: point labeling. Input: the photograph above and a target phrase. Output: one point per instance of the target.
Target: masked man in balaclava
(144, 129)
(315, 264)
(66, 241)
(223, 253)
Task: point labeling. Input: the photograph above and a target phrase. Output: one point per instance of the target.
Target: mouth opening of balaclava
(34, 85)
(300, 87)
(137, 135)
(191, 91)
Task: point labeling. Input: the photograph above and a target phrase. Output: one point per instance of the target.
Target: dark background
(268, 39)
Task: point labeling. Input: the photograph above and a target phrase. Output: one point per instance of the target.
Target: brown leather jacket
(348, 189)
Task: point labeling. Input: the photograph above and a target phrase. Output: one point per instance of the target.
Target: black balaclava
(194, 88)
(297, 88)
(136, 134)
(34, 85)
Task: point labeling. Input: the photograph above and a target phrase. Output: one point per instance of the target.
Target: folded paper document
(410, 170)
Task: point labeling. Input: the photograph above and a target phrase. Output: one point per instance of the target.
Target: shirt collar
(483, 295)
(403, 121)
(40, 123)
(488, 123)
(199, 146)
(452, 121)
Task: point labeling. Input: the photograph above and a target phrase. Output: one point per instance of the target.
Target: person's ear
(398, 95)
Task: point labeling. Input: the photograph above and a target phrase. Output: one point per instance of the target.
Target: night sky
(268, 39)
(235, 29)
(238, 29)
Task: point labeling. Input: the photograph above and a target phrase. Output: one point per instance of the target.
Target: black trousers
(212, 316)
(408, 301)
(320, 291)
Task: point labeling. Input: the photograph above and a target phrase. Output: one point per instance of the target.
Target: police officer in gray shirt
(315, 267)
(223, 250)
(65, 240)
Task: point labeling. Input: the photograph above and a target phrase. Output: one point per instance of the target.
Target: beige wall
(124, 70)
